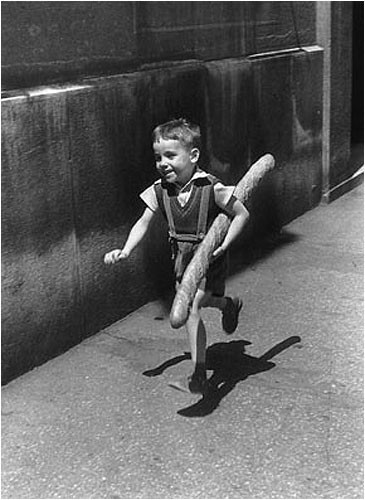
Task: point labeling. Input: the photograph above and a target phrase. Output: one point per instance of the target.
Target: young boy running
(190, 199)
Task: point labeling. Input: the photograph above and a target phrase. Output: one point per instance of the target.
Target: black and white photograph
(182, 229)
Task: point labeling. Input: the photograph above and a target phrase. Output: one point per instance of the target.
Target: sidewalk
(289, 419)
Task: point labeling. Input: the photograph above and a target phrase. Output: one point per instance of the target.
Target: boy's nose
(162, 165)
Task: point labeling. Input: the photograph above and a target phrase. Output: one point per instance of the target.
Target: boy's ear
(194, 155)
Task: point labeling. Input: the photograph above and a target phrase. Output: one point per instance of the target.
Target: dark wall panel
(288, 90)
(41, 311)
(271, 104)
(279, 25)
(228, 111)
(214, 30)
(45, 42)
(341, 68)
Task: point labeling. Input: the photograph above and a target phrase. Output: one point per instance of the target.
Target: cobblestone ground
(101, 421)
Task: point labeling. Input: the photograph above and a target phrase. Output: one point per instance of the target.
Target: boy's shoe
(192, 385)
(230, 314)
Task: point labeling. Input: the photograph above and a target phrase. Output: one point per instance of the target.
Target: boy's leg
(214, 301)
(197, 334)
(214, 284)
(197, 382)
(230, 308)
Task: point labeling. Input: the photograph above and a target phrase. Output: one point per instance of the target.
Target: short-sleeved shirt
(222, 193)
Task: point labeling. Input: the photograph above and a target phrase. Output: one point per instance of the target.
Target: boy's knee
(200, 300)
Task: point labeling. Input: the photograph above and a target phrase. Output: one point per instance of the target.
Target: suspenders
(184, 245)
(202, 219)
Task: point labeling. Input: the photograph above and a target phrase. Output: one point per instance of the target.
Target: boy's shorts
(215, 279)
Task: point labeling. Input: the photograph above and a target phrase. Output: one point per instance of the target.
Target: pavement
(101, 421)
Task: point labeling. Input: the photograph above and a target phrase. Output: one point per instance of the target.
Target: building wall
(76, 155)
(45, 42)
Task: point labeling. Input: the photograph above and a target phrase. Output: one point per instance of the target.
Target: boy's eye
(168, 155)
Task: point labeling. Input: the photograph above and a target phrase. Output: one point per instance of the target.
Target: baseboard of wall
(355, 180)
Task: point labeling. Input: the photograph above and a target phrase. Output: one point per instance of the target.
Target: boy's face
(174, 161)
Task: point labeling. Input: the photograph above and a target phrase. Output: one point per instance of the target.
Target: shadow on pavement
(230, 365)
(170, 362)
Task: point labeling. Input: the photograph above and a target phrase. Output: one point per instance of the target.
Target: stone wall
(53, 42)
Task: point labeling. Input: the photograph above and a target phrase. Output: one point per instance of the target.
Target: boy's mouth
(168, 176)
(166, 173)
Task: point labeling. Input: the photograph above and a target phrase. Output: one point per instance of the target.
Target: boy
(190, 199)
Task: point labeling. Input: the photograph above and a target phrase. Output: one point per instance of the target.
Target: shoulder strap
(167, 204)
(203, 210)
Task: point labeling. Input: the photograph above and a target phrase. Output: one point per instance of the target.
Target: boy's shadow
(230, 365)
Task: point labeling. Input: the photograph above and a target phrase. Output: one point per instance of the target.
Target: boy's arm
(135, 236)
(240, 217)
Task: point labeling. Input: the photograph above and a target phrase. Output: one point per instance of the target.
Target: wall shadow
(230, 365)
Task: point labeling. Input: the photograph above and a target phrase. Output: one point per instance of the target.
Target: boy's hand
(115, 256)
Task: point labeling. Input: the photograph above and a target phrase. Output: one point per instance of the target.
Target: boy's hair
(187, 133)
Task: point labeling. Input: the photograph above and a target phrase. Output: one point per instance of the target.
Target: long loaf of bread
(199, 264)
